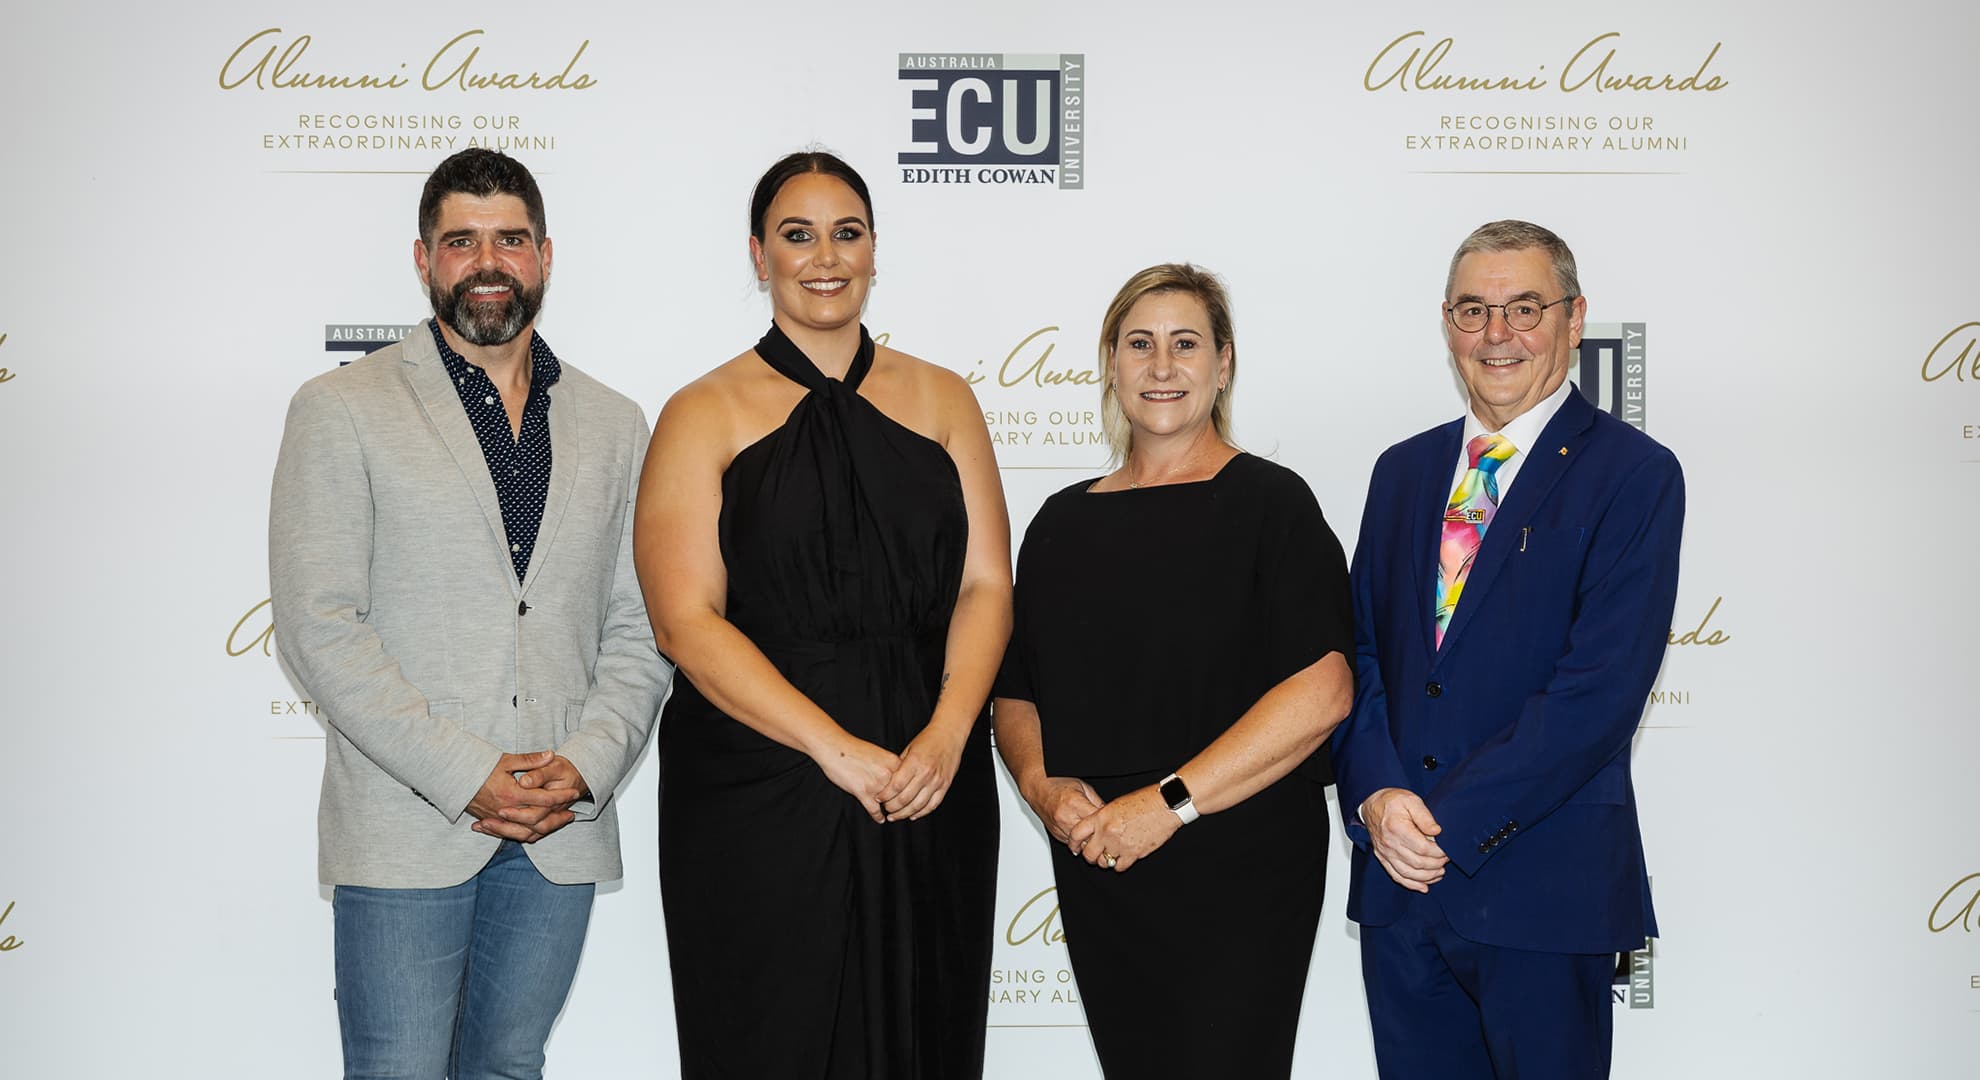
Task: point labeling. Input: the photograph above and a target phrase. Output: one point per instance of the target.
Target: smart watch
(1176, 794)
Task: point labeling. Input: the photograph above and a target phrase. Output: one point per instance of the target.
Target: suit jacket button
(522, 607)
(1434, 689)
(1429, 761)
(1485, 848)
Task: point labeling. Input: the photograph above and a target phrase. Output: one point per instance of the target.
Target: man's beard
(487, 322)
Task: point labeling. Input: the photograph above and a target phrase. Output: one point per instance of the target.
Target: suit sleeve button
(1485, 849)
(1434, 689)
(1429, 761)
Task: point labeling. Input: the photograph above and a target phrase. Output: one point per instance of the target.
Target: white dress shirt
(1523, 432)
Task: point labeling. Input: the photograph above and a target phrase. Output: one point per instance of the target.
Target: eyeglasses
(1471, 316)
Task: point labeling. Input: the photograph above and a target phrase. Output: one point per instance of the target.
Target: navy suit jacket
(1516, 732)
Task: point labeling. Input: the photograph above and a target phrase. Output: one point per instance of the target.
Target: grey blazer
(398, 612)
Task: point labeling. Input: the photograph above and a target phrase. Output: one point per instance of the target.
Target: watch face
(1174, 793)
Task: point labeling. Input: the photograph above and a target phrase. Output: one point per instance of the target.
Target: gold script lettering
(5, 375)
(1604, 81)
(1425, 76)
(1698, 635)
(234, 648)
(273, 70)
(8, 943)
(1046, 929)
(1958, 368)
(1011, 373)
(1397, 76)
(1964, 917)
(464, 76)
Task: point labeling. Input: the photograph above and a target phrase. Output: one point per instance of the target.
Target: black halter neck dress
(806, 940)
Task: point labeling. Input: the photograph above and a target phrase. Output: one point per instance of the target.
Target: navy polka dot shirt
(520, 466)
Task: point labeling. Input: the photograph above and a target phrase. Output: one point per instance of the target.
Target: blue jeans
(462, 982)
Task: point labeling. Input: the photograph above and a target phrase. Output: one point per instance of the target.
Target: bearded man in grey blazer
(450, 557)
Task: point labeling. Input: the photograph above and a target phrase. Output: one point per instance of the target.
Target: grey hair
(1512, 235)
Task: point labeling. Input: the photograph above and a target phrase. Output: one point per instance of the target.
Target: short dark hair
(482, 173)
(792, 166)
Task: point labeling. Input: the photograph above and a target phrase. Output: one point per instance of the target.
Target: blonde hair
(1165, 278)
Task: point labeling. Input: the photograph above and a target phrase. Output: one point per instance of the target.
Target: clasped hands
(1402, 833)
(1125, 831)
(906, 786)
(527, 797)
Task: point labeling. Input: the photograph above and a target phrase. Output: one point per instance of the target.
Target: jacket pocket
(1559, 541)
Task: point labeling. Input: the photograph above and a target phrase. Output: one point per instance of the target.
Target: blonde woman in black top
(1177, 664)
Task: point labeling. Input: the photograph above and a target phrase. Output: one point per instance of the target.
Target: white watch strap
(1187, 809)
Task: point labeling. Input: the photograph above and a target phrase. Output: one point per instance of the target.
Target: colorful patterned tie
(1470, 511)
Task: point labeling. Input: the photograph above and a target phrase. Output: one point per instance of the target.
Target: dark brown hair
(795, 165)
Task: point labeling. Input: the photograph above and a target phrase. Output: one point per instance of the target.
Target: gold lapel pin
(1563, 451)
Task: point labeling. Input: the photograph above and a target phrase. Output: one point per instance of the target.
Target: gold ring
(1110, 860)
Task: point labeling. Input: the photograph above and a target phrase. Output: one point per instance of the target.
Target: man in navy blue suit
(1513, 587)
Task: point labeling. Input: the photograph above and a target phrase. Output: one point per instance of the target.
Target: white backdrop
(1781, 201)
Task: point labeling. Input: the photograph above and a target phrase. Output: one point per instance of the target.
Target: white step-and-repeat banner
(205, 206)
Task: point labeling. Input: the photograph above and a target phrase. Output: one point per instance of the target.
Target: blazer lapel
(564, 462)
(1427, 526)
(1538, 474)
(442, 405)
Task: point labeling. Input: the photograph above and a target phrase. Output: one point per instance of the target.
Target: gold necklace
(1180, 466)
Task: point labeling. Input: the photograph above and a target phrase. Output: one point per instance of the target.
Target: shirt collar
(1523, 430)
(544, 368)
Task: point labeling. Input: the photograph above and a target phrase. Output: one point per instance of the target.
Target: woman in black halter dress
(822, 542)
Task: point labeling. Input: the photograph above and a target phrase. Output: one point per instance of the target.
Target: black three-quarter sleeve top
(1149, 620)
